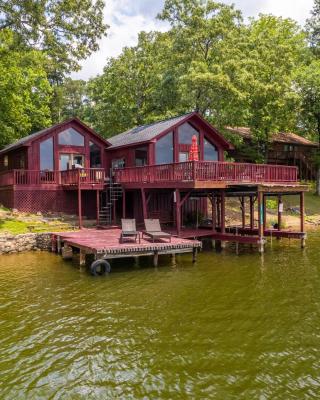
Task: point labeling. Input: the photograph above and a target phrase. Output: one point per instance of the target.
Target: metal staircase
(108, 198)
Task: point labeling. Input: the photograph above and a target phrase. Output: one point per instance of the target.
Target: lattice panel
(55, 201)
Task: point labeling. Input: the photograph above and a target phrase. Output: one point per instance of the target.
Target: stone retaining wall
(30, 241)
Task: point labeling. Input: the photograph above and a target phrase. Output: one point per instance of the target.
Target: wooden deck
(106, 244)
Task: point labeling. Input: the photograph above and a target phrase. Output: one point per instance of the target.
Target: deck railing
(20, 177)
(208, 171)
(83, 176)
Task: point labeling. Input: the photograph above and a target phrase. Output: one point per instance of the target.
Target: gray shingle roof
(24, 140)
(144, 133)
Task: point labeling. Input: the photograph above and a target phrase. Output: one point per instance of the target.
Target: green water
(228, 327)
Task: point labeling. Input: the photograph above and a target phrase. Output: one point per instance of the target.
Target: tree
(273, 49)
(206, 58)
(308, 84)
(313, 28)
(135, 88)
(24, 91)
(66, 30)
(70, 100)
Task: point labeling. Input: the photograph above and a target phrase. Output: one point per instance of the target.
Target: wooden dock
(105, 244)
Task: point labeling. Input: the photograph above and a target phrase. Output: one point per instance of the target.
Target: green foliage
(24, 90)
(67, 30)
(273, 49)
(272, 204)
(313, 28)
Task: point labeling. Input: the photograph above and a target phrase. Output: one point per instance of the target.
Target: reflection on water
(229, 327)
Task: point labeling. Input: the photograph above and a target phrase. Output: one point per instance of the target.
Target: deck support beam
(279, 212)
(251, 212)
(123, 203)
(79, 205)
(155, 259)
(302, 212)
(178, 211)
(243, 211)
(82, 258)
(194, 254)
(98, 205)
(223, 216)
(214, 211)
(264, 212)
(260, 222)
(144, 204)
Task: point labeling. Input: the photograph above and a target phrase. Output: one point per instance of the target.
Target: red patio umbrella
(194, 149)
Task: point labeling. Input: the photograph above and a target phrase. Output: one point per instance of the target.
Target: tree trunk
(318, 156)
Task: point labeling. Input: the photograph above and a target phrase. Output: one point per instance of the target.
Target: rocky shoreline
(10, 243)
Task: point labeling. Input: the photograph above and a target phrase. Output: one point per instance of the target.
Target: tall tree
(308, 84)
(272, 51)
(66, 30)
(313, 28)
(135, 88)
(24, 90)
(206, 57)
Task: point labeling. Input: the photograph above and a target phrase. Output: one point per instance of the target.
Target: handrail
(208, 171)
(21, 177)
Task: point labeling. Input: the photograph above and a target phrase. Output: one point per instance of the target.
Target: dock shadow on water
(227, 327)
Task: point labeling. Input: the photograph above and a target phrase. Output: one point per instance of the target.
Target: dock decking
(104, 244)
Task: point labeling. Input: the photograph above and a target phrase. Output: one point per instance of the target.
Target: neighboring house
(286, 148)
(143, 172)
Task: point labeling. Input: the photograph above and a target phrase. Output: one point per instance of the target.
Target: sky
(127, 18)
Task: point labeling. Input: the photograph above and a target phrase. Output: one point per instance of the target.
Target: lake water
(228, 327)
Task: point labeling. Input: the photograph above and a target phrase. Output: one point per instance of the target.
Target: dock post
(194, 254)
(123, 203)
(260, 222)
(178, 211)
(264, 212)
(223, 217)
(303, 239)
(82, 258)
(155, 259)
(243, 211)
(58, 244)
(173, 259)
(98, 206)
(251, 212)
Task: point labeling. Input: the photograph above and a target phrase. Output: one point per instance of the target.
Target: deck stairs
(108, 199)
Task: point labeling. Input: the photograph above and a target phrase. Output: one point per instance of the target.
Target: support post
(82, 258)
(178, 212)
(264, 212)
(173, 259)
(260, 222)
(279, 212)
(123, 203)
(214, 212)
(98, 206)
(303, 240)
(194, 254)
(251, 212)
(144, 204)
(243, 212)
(223, 216)
(155, 259)
(79, 202)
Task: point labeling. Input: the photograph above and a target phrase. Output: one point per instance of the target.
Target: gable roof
(30, 138)
(280, 137)
(146, 133)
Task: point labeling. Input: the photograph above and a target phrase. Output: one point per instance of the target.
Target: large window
(210, 151)
(164, 149)
(141, 156)
(186, 131)
(95, 155)
(70, 137)
(46, 155)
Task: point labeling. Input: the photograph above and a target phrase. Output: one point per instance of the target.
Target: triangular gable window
(70, 137)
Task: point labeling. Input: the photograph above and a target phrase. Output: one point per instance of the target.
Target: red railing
(208, 171)
(29, 177)
(89, 176)
(69, 177)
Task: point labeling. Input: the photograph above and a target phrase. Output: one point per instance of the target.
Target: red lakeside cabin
(172, 170)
